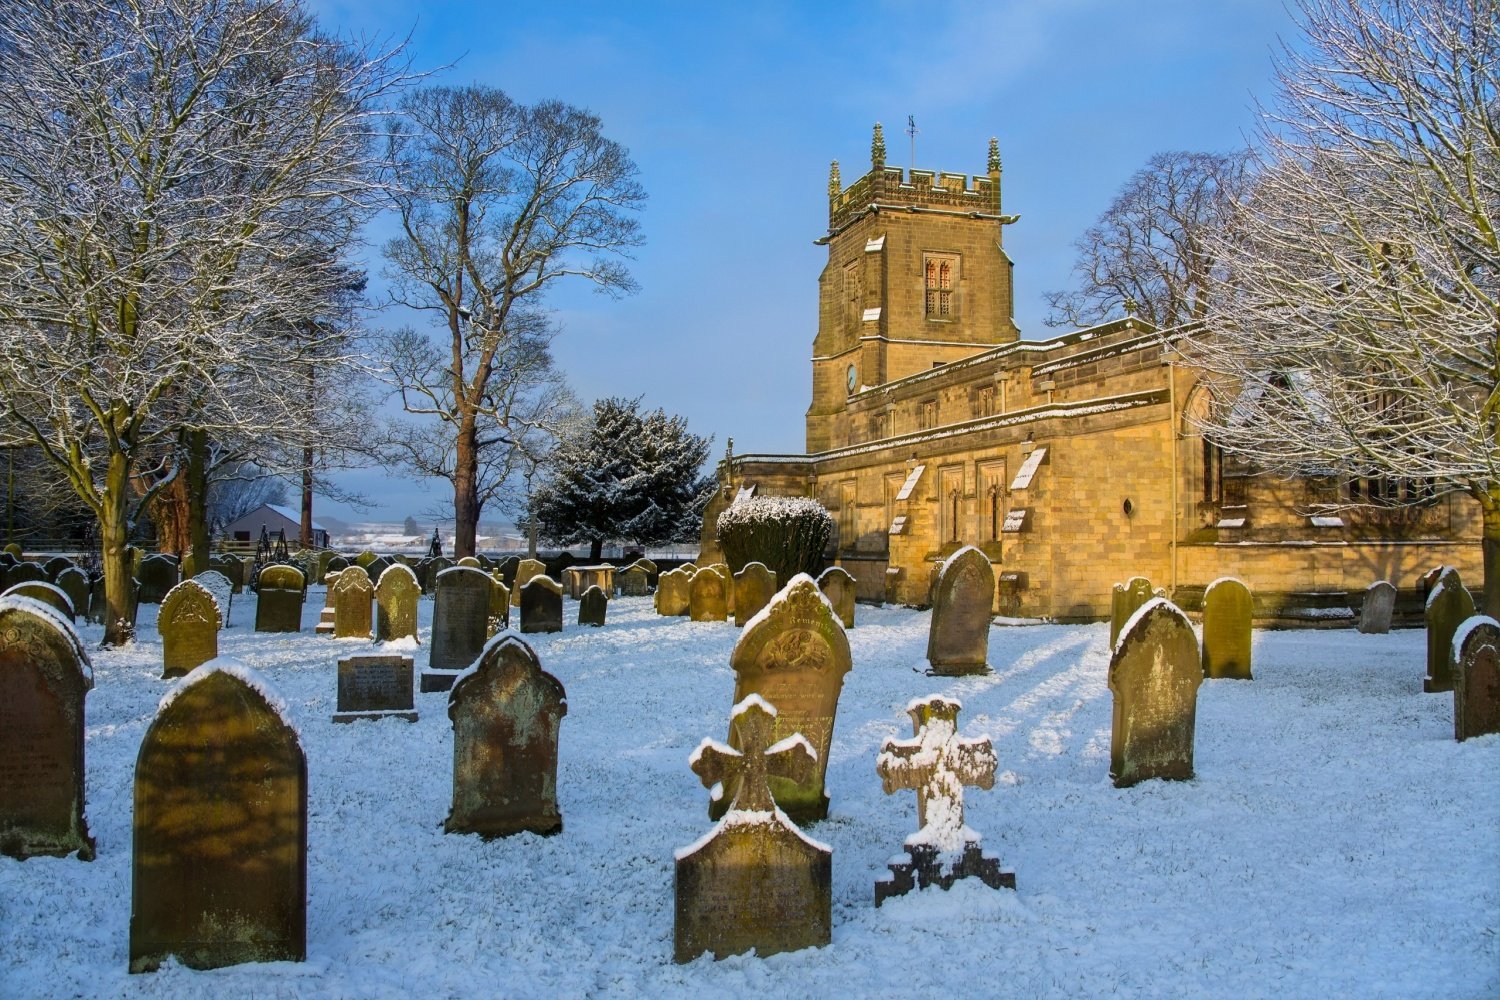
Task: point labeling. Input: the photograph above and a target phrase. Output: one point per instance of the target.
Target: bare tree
(497, 202)
(1149, 251)
(1361, 335)
(175, 173)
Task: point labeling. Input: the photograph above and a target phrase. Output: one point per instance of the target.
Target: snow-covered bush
(787, 534)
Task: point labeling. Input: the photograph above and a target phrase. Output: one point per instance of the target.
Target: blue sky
(733, 112)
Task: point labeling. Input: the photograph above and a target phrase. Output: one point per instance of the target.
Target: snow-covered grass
(1336, 842)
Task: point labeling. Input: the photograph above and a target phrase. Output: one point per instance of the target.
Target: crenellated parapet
(891, 187)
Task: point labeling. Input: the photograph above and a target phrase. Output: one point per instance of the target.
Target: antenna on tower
(911, 130)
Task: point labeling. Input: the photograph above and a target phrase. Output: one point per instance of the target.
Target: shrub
(787, 534)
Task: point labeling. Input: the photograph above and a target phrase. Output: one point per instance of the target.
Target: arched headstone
(1380, 604)
(592, 607)
(189, 623)
(48, 593)
(1125, 600)
(279, 596)
(541, 605)
(396, 595)
(1476, 678)
(158, 574)
(525, 570)
(754, 586)
(1227, 610)
(673, 592)
(958, 637)
(1154, 674)
(1449, 604)
(460, 617)
(352, 596)
(707, 598)
(839, 586)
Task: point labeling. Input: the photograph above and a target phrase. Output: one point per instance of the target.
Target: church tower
(917, 276)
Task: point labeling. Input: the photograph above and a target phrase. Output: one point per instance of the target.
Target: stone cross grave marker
(158, 574)
(499, 606)
(220, 830)
(958, 637)
(707, 601)
(278, 602)
(755, 881)
(506, 713)
(49, 594)
(937, 763)
(754, 586)
(1380, 604)
(460, 616)
(396, 596)
(1448, 605)
(632, 581)
(189, 623)
(794, 656)
(44, 677)
(374, 687)
(353, 595)
(526, 570)
(592, 607)
(1125, 599)
(1227, 608)
(839, 587)
(1476, 678)
(541, 605)
(673, 592)
(1154, 674)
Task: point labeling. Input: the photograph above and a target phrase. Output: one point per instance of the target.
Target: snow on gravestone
(707, 600)
(278, 602)
(526, 570)
(937, 763)
(396, 595)
(353, 594)
(1476, 678)
(1154, 674)
(373, 687)
(839, 587)
(1227, 607)
(794, 654)
(46, 593)
(222, 589)
(219, 846)
(506, 713)
(755, 880)
(1449, 604)
(44, 677)
(673, 590)
(460, 616)
(541, 605)
(189, 623)
(958, 636)
(1125, 600)
(1379, 605)
(592, 607)
(54, 567)
(754, 586)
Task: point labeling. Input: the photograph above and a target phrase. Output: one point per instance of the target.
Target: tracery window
(940, 281)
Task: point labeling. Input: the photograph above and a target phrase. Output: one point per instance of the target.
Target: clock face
(852, 378)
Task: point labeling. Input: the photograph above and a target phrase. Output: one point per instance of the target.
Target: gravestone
(506, 713)
(1476, 678)
(1448, 605)
(673, 592)
(541, 605)
(396, 596)
(507, 569)
(592, 607)
(75, 583)
(1380, 604)
(26, 572)
(728, 577)
(96, 605)
(1154, 673)
(754, 586)
(1125, 600)
(378, 567)
(499, 619)
(53, 567)
(937, 763)
(526, 570)
(336, 564)
(44, 677)
(958, 637)
(795, 656)
(460, 615)
(1227, 607)
(220, 830)
(47, 593)
(231, 568)
(374, 687)
(365, 558)
(158, 574)
(707, 600)
(325, 614)
(632, 581)
(839, 587)
(218, 585)
(756, 881)
(189, 622)
(278, 603)
(434, 569)
(471, 562)
(353, 594)
(584, 577)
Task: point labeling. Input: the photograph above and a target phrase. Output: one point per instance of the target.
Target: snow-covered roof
(295, 516)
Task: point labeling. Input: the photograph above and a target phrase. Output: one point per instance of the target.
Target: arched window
(940, 279)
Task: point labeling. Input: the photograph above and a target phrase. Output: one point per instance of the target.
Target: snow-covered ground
(1336, 842)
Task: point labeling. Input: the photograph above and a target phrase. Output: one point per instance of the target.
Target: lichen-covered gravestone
(278, 602)
(526, 570)
(353, 595)
(632, 581)
(1379, 605)
(460, 616)
(1448, 605)
(755, 881)
(1125, 600)
(754, 586)
(707, 601)
(47, 593)
(506, 712)
(840, 589)
(937, 763)
(541, 605)
(396, 596)
(189, 623)
(795, 656)
(1476, 678)
(592, 607)
(220, 831)
(374, 687)
(1154, 674)
(1227, 608)
(158, 574)
(44, 677)
(673, 592)
(958, 638)
(499, 606)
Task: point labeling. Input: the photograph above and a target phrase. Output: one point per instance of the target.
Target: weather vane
(911, 130)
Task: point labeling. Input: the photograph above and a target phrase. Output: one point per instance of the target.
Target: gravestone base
(957, 669)
(925, 868)
(325, 622)
(1431, 685)
(438, 680)
(356, 716)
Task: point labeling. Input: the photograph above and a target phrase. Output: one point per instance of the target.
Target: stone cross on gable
(937, 763)
(717, 763)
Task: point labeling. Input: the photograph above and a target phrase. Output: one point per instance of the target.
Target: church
(1073, 462)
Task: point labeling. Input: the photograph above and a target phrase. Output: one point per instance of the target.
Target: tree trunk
(1490, 545)
(465, 490)
(169, 515)
(195, 486)
(114, 531)
(596, 550)
(307, 485)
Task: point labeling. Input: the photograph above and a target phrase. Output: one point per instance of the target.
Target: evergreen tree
(621, 473)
